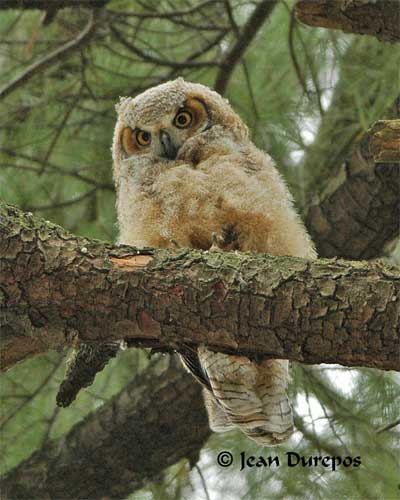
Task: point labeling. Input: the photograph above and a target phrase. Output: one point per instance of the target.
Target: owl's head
(158, 122)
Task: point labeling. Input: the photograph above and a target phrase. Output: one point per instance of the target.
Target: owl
(187, 174)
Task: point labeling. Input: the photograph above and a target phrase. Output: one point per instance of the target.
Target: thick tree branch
(56, 286)
(380, 18)
(127, 442)
(357, 213)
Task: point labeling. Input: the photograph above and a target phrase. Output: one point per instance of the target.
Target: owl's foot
(174, 243)
(226, 241)
(217, 243)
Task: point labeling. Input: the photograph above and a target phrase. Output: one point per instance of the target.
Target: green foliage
(338, 412)
(29, 415)
(55, 137)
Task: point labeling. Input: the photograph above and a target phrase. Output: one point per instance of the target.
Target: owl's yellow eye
(183, 119)
(143, 138)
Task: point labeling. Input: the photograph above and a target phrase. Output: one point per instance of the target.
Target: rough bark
(56, 286)
(382, 141)
(380, 18)
(357, 213)
(127, 442)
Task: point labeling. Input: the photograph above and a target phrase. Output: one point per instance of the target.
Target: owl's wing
(250, 395)
(190, 360)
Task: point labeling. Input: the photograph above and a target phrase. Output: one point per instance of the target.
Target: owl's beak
(169, 149)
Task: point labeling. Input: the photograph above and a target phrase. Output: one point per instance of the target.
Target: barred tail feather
(249, 395)
(218, 419)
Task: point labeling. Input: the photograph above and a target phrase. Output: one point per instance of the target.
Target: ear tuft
(123, 102)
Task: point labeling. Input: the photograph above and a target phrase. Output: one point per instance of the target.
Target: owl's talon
(175, 243)
(217, 243)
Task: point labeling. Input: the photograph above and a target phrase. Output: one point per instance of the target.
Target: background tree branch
(382, 141)
(356, 214)
(130, 440)
(340, 128)
(380, 18)
(52, 58)
(240, 44)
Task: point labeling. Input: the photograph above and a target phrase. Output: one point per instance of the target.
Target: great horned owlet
(187, 174)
